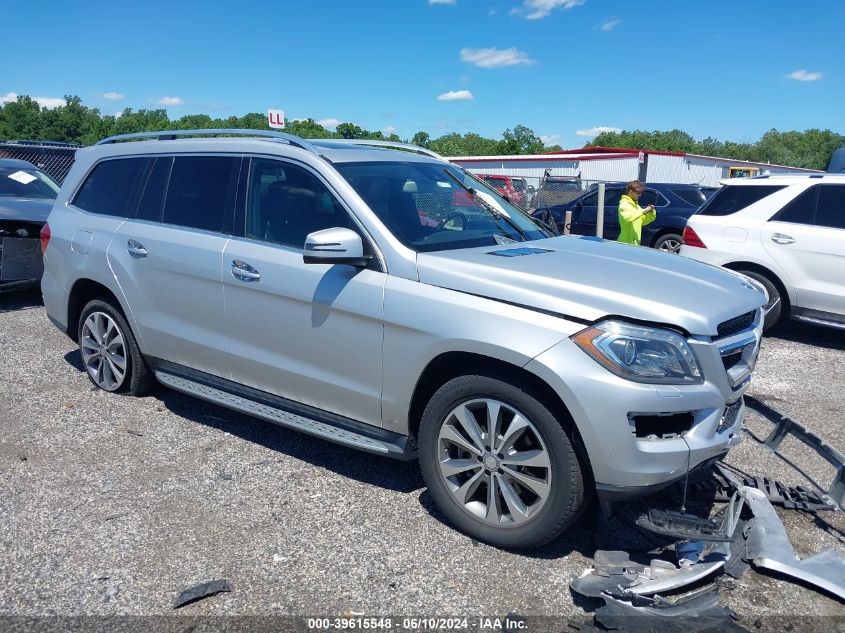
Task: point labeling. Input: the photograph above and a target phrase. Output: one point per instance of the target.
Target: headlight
(639, 353)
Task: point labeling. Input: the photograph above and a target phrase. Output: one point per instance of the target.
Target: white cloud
(113, 96)
(329, 123)
(550, 139)
(456, 95)
(390, 129)
(595, 131)
(494, 57)
(170, 101)
(44, 102)
(803, 75)
(441, 1)
(610, 25)
(538, 9)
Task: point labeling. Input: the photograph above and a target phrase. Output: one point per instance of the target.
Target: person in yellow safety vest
(632, 217)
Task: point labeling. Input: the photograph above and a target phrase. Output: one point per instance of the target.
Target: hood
(588, 278)
(25, 209)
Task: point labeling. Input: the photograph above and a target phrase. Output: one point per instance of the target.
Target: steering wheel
(453, 216)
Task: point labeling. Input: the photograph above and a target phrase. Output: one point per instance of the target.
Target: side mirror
(335, 246)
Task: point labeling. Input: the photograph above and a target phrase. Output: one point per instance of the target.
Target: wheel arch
(83, 291)
(449, 365)
(786, 296)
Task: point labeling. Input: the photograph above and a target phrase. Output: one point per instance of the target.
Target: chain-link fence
(54, 159)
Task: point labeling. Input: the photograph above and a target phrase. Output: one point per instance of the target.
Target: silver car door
(311, 333)
(167, 259)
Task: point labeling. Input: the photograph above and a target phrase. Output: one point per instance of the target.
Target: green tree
(521, 140)
(21, 119)
(350, 130)
(421, 139)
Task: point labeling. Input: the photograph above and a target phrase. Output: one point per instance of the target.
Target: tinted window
(693, 197)
(112, 187)
(730, 199)
(831, 207)
(201, 191)
(650, 196)
(287, 202)
(152, 200)
(800, 210)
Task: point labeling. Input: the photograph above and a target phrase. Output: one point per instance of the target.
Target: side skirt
(282, 411)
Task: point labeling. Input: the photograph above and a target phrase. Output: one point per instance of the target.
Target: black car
(26, 198)
(675, 203)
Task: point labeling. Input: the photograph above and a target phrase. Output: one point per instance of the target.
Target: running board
(395, 447)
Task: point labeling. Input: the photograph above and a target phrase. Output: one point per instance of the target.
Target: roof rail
(379, 143)
(167, 135)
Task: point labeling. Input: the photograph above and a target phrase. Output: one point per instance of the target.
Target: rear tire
(775, 299)
(669, 243)
(109, 351)
(517, 485)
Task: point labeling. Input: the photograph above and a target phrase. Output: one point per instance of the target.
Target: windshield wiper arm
(496, 213)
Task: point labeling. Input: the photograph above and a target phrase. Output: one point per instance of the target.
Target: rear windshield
(692, 197)
(731, 199)
(26, 183)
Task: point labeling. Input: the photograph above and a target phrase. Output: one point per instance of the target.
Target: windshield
(435, 206)
(26, 183)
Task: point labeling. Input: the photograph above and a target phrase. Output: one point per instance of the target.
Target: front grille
(731, 359)
(737, 324)
(729, 417)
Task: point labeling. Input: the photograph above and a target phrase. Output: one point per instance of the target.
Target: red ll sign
(276, 118)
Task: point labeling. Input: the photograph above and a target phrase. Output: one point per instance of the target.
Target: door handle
(244, 272)
(782, 238)
(136, 249)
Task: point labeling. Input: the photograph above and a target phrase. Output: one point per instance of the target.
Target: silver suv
(390, 301)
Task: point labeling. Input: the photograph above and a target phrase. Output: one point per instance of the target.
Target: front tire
(498, 463)
(109, 351)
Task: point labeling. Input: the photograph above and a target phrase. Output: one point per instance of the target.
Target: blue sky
(731, 70)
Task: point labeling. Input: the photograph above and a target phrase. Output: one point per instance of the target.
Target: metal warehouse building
(615, 164)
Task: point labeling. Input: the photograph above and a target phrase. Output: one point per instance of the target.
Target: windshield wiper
(493, 210)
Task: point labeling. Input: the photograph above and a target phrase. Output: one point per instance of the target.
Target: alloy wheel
(671, 246)
(103, 351)
(494, 462)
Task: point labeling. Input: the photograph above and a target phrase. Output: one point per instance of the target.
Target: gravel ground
(112, 505)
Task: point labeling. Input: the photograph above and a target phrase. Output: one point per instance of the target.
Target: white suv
(788, 233)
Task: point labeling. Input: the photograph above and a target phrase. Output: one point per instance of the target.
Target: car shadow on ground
(14, 300)
(809, 334)
(364, 467)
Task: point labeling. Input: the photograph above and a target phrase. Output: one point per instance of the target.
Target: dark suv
(675, 203)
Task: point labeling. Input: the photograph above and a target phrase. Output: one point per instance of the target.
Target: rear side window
(831, 207)
(731, 199)
(800, 210)
(112, 187)
(201, 191)
(152, 200)
(692, 197)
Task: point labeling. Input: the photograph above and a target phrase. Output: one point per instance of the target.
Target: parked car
(555, 191)
(515, 189)
(26, 197)
(346, 292)
(786, 232)
(675, 203)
